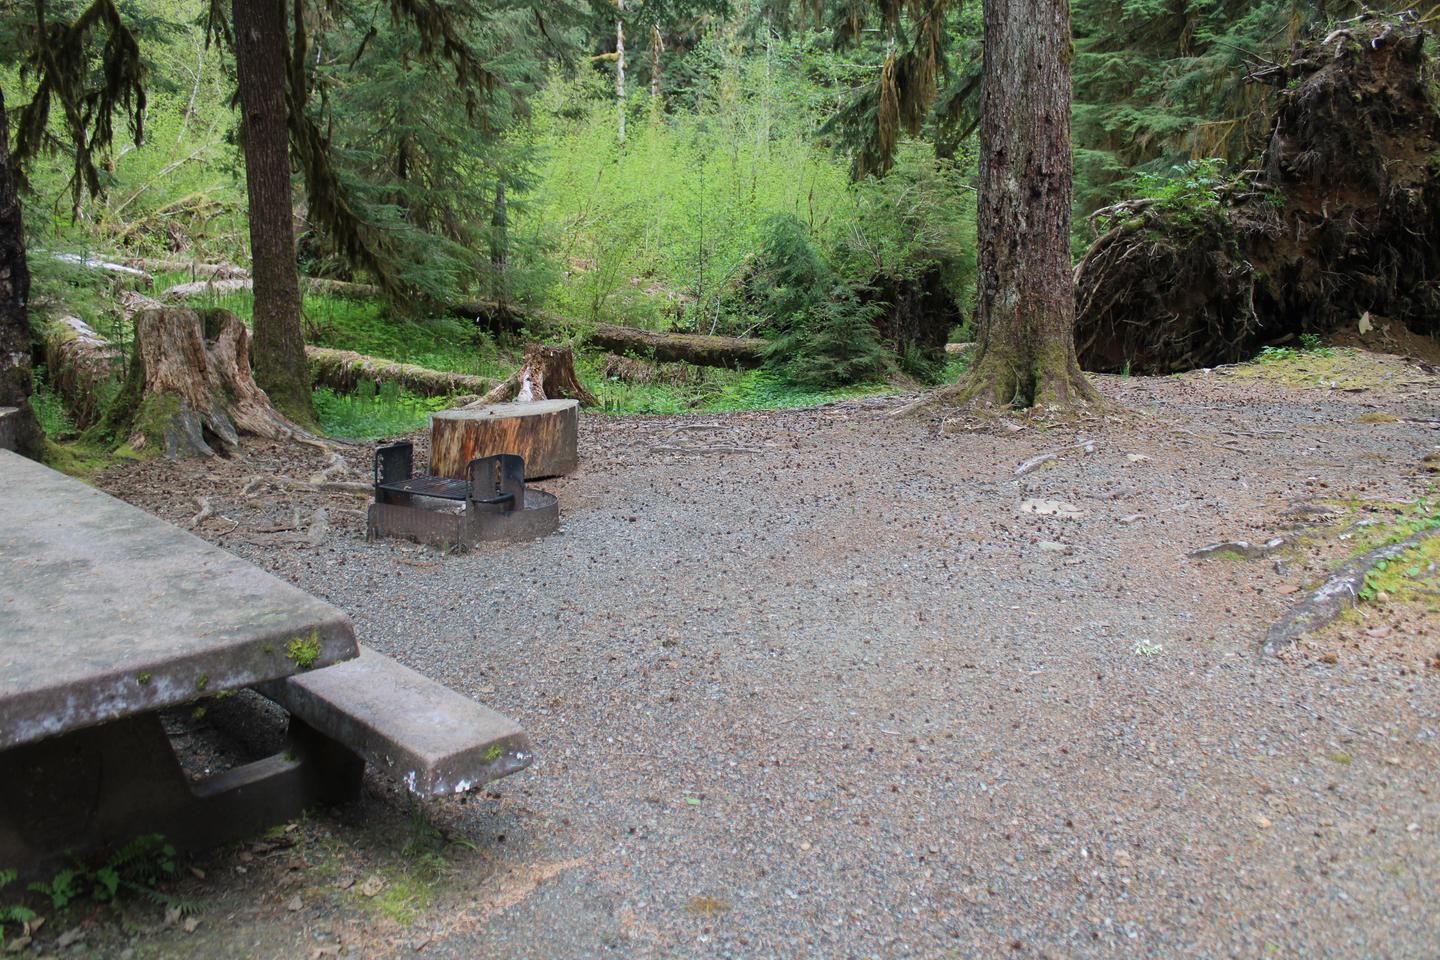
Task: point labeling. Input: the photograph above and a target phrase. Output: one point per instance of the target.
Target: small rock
(1379, 633)
(1287, 588)
(1052, 508)
(73, 935)
(1050, 546)
(294, 904)
(1262, 821)
(192, 924)
(1132, 518)
(373, 884)
(1136, 457)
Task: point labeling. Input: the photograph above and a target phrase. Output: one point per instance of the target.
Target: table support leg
(85, 792)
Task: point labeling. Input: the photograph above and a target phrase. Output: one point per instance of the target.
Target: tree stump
(548, 373)
(190, 390)
(544, 432)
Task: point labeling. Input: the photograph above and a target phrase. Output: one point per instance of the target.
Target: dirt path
(840, 697)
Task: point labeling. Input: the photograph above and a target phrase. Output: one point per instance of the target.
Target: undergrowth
(137, 870)
(371, 414)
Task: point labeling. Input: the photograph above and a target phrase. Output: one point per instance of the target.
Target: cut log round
(189, 391)
(544, 432)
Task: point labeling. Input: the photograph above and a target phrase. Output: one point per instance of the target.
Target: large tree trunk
(15, 381)
(1026, 315)
(280, 368)
(189, 390)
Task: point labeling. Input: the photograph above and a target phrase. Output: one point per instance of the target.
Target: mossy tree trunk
(15, 379)
(1026, 315)
(280, 365)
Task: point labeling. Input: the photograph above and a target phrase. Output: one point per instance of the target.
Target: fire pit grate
(494, 502)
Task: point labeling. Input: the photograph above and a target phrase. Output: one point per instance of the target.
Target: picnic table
(109, 615)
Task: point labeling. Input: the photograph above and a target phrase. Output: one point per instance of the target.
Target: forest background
(739, 169)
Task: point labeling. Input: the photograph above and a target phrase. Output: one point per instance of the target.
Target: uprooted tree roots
(1341, 218)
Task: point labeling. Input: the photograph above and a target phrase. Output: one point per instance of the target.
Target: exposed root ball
(1341, 217)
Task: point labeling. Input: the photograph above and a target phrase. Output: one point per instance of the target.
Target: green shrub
(823, 334)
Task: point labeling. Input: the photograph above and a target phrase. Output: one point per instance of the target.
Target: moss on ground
(1326, 367)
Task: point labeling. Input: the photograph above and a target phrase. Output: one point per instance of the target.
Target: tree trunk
(15, 380)
(189, 391)
(620, 66)
(657, 47)
(280, 368)
(1026, 315)
(545, 433)
(500, 246)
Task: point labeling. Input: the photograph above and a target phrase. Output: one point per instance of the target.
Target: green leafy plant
(12, 914)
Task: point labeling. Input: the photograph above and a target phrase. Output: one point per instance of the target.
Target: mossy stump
(190, 391)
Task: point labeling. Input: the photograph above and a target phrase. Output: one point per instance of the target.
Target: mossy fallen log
(196, 269)
(344, 370)
(700, 349)
(219, 287)
(82, 368)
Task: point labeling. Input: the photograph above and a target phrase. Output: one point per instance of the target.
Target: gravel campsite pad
(818, 683)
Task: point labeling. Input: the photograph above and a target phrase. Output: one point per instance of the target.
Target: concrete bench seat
(433, 740)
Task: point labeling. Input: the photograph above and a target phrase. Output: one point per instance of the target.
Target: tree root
(1336, 595)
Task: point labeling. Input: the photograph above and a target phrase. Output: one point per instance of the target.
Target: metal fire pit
(492, 504)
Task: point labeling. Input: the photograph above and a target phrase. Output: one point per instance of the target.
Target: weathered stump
(189, 390)
(544, 432)
(548, 373)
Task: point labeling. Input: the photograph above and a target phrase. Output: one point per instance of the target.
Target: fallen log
(700, 349)
(197, 270)
(81, 366)
(344, 370)
(219, 287)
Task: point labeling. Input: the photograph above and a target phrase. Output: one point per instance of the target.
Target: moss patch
(1327, 368)
(304, 651)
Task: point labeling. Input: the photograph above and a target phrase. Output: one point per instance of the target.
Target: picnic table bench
(109, 615)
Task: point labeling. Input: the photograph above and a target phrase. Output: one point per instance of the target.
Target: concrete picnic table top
(107, 611)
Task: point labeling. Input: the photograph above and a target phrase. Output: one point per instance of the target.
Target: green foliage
(370, 414)
(14, 913)
(49, 408)
(823, 335)
(1188, 192)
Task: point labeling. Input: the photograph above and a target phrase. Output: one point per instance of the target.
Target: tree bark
(189, 391)
(620, 66)
(544, 432)
(1026, 315)
(345, 370)
(15, 379)
(280, 368)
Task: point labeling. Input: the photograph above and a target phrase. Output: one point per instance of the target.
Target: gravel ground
(840, 697)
